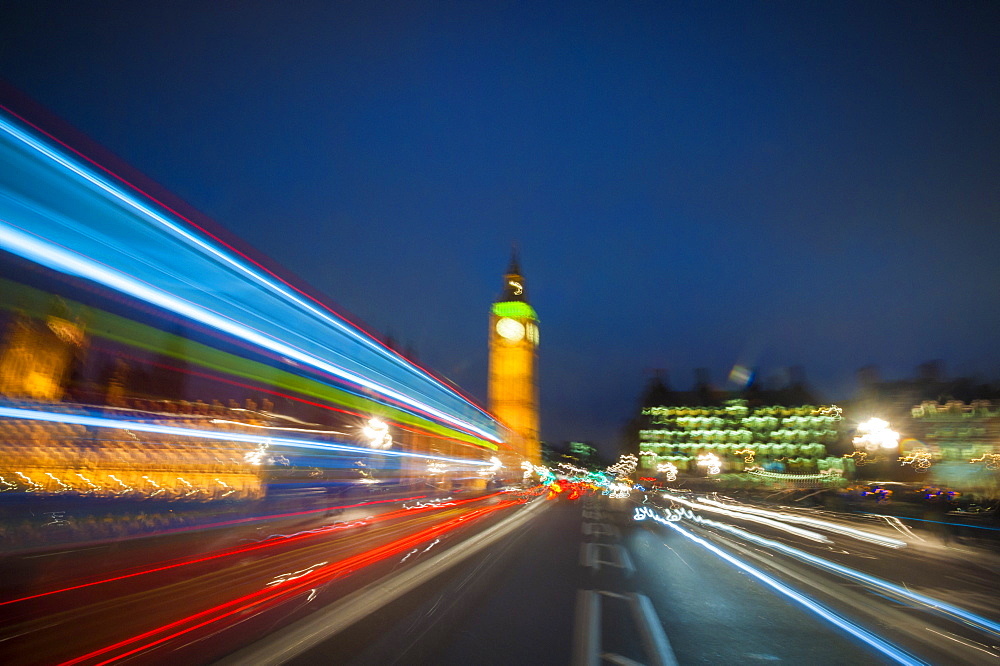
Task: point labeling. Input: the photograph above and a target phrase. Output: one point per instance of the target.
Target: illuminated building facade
(737, 438)
(115, 311)
(513, 383)
(955, 431)
(36, 357)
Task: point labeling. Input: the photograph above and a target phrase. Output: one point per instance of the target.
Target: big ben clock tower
(513, 387)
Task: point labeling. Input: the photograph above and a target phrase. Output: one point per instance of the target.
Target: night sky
(766, 184)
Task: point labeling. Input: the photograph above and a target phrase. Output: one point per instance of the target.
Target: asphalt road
(193, 597)
(642, 580)
(585, 583)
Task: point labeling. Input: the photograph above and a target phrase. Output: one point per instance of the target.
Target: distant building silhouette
(893, 400)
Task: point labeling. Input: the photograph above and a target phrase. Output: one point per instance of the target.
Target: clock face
(510, 329)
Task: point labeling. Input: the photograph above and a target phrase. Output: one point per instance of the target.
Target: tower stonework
(513, 378)
(37, 357)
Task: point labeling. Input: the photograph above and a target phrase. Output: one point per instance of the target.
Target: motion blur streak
(50, 216)
(49, 254)
(813, 536)
(886, 648)
(822, 524)
(128, 500)
(222, 367)
(125, 199)
(936, 605)
(271, 541)
(78, 419)
(337, 320)
(936, 522)
(287, 588)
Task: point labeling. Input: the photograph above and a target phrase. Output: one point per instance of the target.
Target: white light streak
(626, 464)
(813, 522)
(806, 534)
(285, 577)
(79, 419)
(711, 461)
(883, 646)
(66, 261)
(669, 469)
(151, 214)
(982, 623)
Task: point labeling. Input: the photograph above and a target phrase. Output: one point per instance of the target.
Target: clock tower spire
(513, 384)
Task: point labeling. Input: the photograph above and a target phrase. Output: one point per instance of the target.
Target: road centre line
(600, 529)
(590, 557)
(587, 630)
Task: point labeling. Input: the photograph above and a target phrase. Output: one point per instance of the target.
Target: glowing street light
(669, 469)
(377, 432)
(626, 464)
(874, 434)
(710, 461)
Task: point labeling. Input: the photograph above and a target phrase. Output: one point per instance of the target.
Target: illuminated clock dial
(510, 329)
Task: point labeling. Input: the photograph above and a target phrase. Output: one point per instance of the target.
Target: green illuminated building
(768, 440)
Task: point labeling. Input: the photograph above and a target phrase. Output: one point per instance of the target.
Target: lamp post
(376, 432)
(875, 436)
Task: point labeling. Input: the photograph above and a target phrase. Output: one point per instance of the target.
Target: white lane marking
(654, 640)
(601, 529)
(590, 556)
(587, 629)
(620, 660)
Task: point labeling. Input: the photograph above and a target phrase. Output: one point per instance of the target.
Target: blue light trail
(98, 422)
(59, 212)
(867, 637)
(978, 621)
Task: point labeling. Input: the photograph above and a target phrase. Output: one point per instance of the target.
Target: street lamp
(875, 434)
(377, 432)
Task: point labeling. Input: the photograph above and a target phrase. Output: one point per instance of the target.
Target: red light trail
(264, 598)
(266, 544)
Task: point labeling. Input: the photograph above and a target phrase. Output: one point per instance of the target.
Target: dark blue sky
(690, 184)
